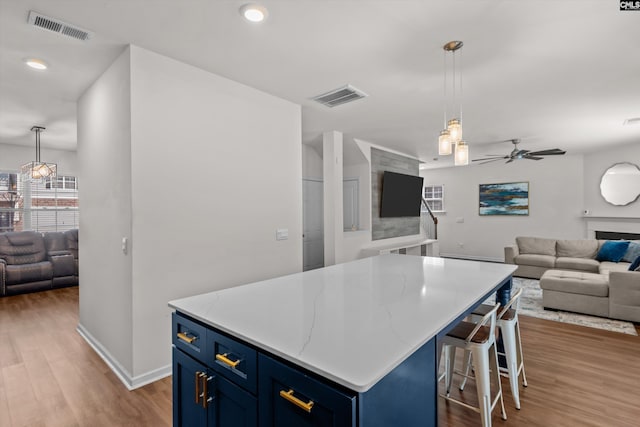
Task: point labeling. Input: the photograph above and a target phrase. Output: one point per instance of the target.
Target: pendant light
(38, 169)
(452, 134)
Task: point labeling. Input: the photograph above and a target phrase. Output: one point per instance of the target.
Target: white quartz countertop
(352, 323)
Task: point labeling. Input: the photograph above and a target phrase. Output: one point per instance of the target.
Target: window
(61, 182)
(434, 196)
(47, 205)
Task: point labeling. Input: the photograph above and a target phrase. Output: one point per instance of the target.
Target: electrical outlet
(282, 234)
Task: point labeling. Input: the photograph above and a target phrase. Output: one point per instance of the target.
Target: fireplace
(616, 235)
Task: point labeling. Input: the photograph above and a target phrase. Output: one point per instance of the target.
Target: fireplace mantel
(610, 223)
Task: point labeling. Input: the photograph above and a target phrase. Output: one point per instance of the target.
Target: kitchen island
(354, 344)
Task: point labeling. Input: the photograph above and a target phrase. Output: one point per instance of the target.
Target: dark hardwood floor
(49, 376)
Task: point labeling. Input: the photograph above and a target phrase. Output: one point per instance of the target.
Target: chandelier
(38, 169)
(451, 135)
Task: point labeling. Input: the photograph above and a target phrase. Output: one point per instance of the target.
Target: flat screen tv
(401, 195)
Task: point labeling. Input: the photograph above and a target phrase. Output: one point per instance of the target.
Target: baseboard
(129, 381)
(472, 257)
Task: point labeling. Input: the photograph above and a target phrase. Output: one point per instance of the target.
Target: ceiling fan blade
(509, 161)
(551, 152)
(490, 158)
(530, 157)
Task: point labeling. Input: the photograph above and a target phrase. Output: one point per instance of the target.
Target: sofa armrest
(624, 287)
(63, 264)
(3, 281)
(510, 253)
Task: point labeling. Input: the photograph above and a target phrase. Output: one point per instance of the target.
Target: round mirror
(620, 184)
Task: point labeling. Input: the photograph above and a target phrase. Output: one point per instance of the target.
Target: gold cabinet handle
(186, 338)
(224, 359)
(205, 390)
(198, 387)
(288, 395)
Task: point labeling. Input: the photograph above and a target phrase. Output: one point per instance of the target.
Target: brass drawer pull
(198, 373)
(186, 338)
(224, 359)
(288, 395)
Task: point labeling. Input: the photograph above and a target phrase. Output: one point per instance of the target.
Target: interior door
(313, 224)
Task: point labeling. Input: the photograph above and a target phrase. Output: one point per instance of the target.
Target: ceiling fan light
(455, 130)
(444, 143)
(461, 157)
(254, 12)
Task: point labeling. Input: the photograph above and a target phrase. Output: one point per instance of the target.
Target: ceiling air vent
(47, 23)
(340, 96)
(633, 121)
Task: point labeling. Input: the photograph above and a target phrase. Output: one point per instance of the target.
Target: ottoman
(579, 292)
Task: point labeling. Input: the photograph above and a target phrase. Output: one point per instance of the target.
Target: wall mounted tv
(401, 195)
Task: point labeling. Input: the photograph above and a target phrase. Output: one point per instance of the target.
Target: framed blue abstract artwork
(510, 198)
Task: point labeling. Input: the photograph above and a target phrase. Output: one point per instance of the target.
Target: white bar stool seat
(479, 340)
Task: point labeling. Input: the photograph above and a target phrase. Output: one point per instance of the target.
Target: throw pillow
(632, 253)
(612, 250)
(635, 265)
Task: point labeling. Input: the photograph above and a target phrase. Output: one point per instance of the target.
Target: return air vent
(340, 96)
(47, 23)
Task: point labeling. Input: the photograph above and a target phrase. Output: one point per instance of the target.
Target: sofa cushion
(633, 252)
(607, 266)
(536, 245)
(612, 250)
(25, 273)
(22, 247)
(55, 241)
(575, 282)
(635, 265)
(577, 248)
(582, 264)
(546, 261)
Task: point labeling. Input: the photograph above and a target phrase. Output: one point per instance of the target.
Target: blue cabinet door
(289, 398)
(234, 407)
(188, 410)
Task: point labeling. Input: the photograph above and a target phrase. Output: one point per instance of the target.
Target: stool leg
(483, 384)
(510, 349)
(493, 355)
(450, 357)
(520, 354)
(466, 368)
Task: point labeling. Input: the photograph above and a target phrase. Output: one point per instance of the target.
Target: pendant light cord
(445, 100)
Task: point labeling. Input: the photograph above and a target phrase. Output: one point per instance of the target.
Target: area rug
(531, 305)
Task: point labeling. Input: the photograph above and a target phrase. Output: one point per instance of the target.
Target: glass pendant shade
(444, 143)
(38, 169)
(455, 130)
(461, 157)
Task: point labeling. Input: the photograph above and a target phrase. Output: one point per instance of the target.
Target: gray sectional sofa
(572, 279)
(32, 261)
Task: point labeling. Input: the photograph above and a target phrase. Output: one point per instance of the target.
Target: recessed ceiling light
(37, 64)
(254, 12)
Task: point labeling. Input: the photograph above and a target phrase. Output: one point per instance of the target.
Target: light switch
(282, 234)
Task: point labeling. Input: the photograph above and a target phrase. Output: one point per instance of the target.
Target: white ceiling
(555, 73)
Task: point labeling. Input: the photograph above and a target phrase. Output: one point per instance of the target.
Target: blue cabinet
(201, 396)
(288, 397)
(221, 382)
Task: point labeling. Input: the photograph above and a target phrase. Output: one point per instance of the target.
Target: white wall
(555, 203)
(595, 165)
(311, 162)
(12, 157)
(215, 170)
(104, 156)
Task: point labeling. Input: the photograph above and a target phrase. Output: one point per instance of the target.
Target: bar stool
(478, 339)
(510, 331)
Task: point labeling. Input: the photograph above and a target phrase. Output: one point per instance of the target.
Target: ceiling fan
(517, 154)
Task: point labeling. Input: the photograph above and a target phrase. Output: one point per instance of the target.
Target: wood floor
(50, 377)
